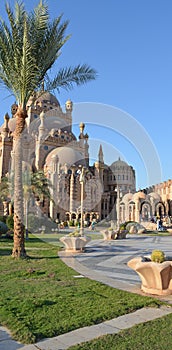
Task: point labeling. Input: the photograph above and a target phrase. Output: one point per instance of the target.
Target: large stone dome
(66, 155)
(50, 123)
(44, 99)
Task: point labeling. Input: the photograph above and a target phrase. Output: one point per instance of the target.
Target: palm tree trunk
(19, 241)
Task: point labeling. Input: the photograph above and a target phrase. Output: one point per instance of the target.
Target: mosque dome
(155, 196)
(11, 125)
(127, 197)
(50, 122)
(118, 164)
(43, 99)
(139, 195)
(66, 155)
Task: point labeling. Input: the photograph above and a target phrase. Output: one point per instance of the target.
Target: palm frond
(29, 47)
(66, 77)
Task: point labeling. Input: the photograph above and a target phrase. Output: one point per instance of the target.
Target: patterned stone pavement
(106, 261)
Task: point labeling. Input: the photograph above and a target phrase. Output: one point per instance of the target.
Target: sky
(128, 107)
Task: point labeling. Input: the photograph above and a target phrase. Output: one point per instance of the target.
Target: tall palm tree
(30, 44)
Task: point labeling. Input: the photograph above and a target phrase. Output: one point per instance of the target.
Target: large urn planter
(108, 234)
(112, 234)
(156, 277)
(75, 244)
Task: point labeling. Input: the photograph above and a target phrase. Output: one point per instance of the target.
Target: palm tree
(4, 193)
(29, 47)
(37, 184)
(40, 185)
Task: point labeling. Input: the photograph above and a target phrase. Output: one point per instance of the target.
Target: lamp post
(118, 205)
(82, 180)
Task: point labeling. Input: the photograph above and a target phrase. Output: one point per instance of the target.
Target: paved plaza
(105, 261)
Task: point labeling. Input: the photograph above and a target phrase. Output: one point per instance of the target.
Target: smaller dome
(139, 195)
(14, 108)
(127, 197)
(11, 124)
(119, 163)
(154, 195)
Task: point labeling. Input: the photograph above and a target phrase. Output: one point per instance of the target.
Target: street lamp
(82, 180)
(119, 195)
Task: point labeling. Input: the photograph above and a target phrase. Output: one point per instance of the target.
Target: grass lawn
(152, 335)
(41, 297)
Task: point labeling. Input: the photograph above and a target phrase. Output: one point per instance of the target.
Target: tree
(37, 184)
(4, 194)
(40, 185)
(30, 44)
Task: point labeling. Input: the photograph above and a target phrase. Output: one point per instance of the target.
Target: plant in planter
(155, 273)
(75, 242)
(122, 232)
(74, 234)
(158, 256)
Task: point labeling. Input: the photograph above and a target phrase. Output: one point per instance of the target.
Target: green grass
(154, 335)
(41, 297)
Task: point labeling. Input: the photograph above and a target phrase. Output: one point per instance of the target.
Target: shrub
(75, 234)
(3, 219)
(158, 256)
(3, 228)
(71, 223)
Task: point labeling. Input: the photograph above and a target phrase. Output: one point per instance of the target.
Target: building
(50, 145)
(148, 204)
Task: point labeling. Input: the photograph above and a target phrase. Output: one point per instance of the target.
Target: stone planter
(112, 234)
(108, 234)
(156, 277)
(75, 244)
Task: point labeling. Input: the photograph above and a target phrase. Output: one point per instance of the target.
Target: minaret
(86, 150)
(6, 147)
(42, 126)
(69, 108)
(81, 135)
(5, 129)
(100, 155)
(39, 141)
(99, 165)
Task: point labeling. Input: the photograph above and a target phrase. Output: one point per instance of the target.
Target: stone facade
(148, 204)
(50, 145)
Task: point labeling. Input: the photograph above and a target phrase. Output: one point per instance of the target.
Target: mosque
(49, 144)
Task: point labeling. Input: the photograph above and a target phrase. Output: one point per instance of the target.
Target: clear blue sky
(129, 43)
